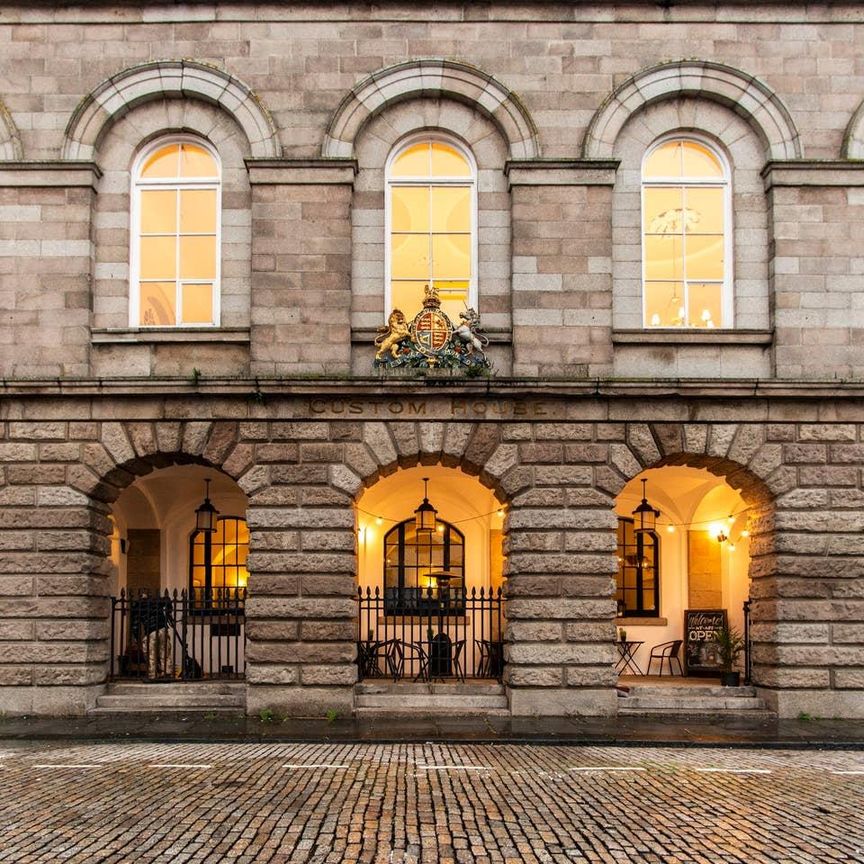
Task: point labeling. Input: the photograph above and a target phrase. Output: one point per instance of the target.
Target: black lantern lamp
(646, 514)
(425, 516)
(205, 515)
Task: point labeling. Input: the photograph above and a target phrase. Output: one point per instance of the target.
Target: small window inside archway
(175, 246)
(685, 237)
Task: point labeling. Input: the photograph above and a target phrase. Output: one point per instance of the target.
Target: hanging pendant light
(205, 515)
(425, 516)
(646, 513)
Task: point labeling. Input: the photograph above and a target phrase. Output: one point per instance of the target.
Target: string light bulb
(670, 528)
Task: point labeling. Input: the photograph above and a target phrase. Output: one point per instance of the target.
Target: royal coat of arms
(431, 340)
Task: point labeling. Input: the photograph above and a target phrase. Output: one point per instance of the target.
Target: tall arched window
(686, 236)
(431, 226)
(217, 562)
(638, 581)
(422, 570)
(175, 236)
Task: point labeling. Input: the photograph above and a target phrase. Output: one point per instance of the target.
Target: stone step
(233, 711)
(428, 700)
(456, 688)
(178, 688)
(692, 702)
(691, 690)
(178, 702)
(750, 713)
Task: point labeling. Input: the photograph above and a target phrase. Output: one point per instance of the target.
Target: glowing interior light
(670, 529)
(501, 512)
(440, 529)
(655, 320)
(731, 547)
(745, 533)
(378, 520)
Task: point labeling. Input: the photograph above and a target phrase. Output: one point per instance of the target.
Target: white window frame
(390, 182)
(138, 184)
(727, 295)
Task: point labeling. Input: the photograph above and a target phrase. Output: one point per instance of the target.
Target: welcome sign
(700, 651)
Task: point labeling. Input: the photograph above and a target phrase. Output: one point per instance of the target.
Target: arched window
(217, 562)
(423, 570)
(175, 236)
(686, 236)
(431, 226)
(638, 582)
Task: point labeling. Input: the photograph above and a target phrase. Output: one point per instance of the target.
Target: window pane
(410, 208)
(451, 256)
(451, 208)
(706, 309)
(412, 162)
(198, 211)
(197, 257)
(704, 259)
(197, 304)
(663, 210)
(454, 297)
(664, 257)
(407, 296)
(699, 161)
(665, 161)
(664, 304)
(195, 161)
(158, 211)
(163, 163)
(705, 210)
(158, 257)
(448, 162)
(157, 304)
(410, 257)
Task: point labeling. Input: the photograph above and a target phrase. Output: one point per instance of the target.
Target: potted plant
(729, 644)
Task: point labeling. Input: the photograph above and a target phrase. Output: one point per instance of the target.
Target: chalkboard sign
(701, 656)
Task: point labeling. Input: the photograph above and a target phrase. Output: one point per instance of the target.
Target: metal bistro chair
(666, 651)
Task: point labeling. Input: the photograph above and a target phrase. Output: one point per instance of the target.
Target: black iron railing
(748, 646)
(430, 634)
(180, 635)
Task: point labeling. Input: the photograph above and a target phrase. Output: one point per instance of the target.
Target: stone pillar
(301, 610)
(561, 545)
(301, 266)
(53, 573)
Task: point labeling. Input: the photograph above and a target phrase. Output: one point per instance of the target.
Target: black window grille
(638, 581)
(424, 573)
(217, 564)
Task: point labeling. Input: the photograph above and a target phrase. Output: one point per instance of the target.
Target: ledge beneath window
(142, 335)
(624, 623)
(680, 336)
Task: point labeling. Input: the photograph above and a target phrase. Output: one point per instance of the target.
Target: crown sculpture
(431, 340)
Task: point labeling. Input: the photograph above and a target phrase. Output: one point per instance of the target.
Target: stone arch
(853, 137)
(126, 450)
(432, 77)
(476, 448)
(161, 79)
(10, 140)
(742, 93)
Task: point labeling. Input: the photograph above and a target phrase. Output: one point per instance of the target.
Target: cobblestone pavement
(244, 803)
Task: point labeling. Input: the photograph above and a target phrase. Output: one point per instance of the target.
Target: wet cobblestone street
(281, 802)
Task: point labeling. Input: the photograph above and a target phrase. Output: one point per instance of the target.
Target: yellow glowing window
(217, 561)
(685, 237)
(431, 188)
(176, 244)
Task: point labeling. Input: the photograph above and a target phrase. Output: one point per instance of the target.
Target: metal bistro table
(627, 662)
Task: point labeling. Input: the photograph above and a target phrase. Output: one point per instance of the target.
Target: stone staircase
(692, 699)
(172, 697)
(402, 699)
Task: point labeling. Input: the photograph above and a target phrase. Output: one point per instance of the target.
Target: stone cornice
(58, 172)
(833, 172)
(561, 172)
(680, 336)
(302, 172)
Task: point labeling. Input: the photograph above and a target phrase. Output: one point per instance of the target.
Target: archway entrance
(682, 584)
(179, 549)
(430, 575)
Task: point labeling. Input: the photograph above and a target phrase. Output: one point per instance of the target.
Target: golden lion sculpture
(391, 335)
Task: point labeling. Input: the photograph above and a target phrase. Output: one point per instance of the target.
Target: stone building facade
(557, 104)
